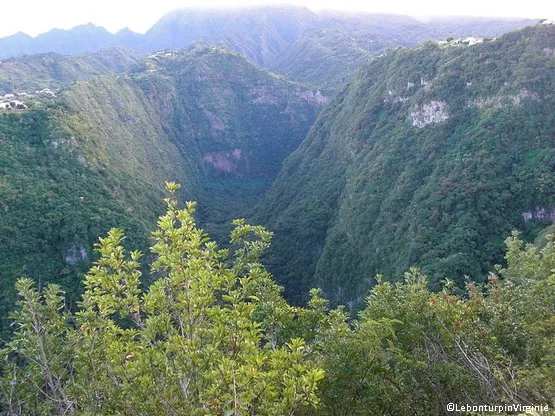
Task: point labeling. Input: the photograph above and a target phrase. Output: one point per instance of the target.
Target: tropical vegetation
(213, 336)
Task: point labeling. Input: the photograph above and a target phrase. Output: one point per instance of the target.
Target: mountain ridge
(281, 38)
(419, 161)
(51, 70)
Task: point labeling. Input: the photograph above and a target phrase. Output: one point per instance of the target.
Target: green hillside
(260, 33)
(36, 72)
(430, 157)
(325, 48)
(98, 156)
(331, 53)
(327, 57)
(54, 205)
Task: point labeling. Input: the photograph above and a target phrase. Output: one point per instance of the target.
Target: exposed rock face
(264, 95)
(432, 112)
(226, 162)
(504, 100)
(312, 97)
(75, 254)
(540, 213)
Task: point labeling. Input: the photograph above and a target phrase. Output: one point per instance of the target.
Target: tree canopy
(212, 335)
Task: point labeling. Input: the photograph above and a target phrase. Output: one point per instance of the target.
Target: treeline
(213, 336)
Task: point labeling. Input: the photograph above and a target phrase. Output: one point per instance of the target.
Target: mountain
(80, 39)
(16, 45)
(97, 156)
(128, 39)
(330, 54)
(430, 157)
(36, 72)
(259, 33)
(325, 49)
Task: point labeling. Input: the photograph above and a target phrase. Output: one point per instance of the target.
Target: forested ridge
(97, 155)
(37, 72)
(430, 157)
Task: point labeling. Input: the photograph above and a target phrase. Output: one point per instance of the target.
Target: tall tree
(193, 343)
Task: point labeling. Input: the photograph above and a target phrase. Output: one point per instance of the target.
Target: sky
(37, 16)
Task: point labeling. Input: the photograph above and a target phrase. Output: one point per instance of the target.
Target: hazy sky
(36, 16)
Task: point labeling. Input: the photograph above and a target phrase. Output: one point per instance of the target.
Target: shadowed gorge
(430, 157)
(102, 150)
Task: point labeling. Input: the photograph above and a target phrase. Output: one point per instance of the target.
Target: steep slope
(231, 122)
(430, 157)
(259, 33)
(54, 205)
(331, 53)
(98, 155)
(327, 57)
(36, 72)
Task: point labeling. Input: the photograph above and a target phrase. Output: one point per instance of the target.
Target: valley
(133, 133)
(364, 183)
(399, 173)
(430, 158)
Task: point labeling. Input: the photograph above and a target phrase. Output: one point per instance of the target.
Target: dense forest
(213, 336)
(97, 155)
(394, 184)
(430, 157)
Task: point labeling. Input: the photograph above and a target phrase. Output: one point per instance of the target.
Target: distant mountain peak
(88, 27)
(126, 31)
(21, 35)
(262, 33)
